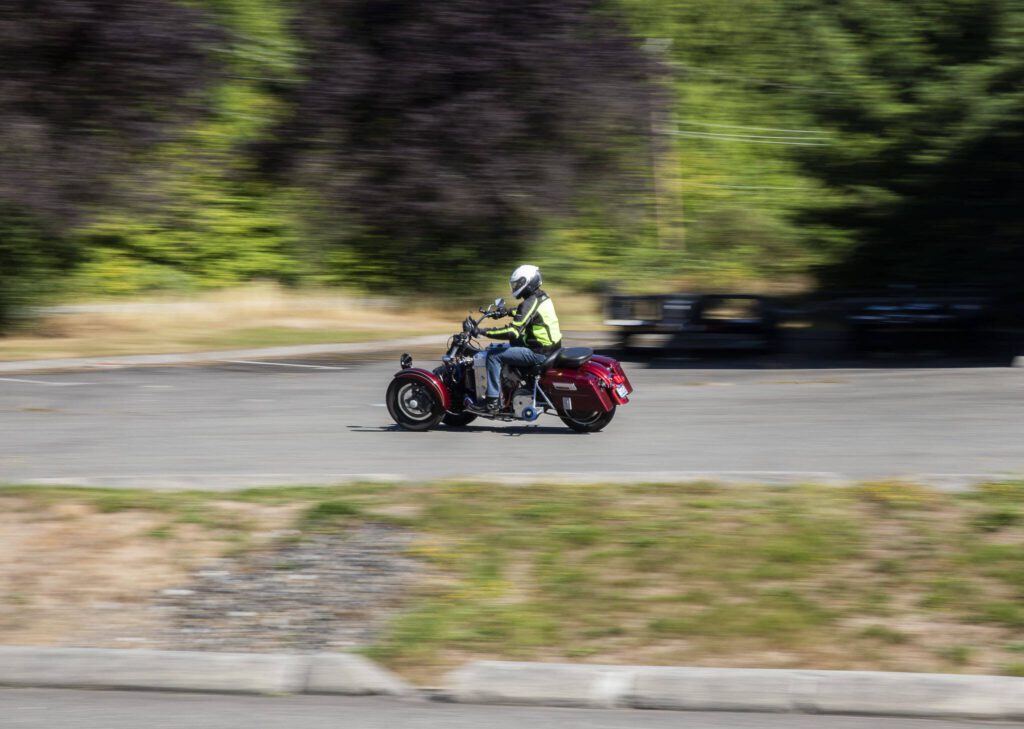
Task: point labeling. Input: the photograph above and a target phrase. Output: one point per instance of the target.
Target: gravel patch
(327, 592)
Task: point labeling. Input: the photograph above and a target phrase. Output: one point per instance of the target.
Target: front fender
(427, 378)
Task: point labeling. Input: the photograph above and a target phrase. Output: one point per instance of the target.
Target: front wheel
(413, 404)
(586, 422)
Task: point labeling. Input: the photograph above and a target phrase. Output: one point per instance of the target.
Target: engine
(521, 399)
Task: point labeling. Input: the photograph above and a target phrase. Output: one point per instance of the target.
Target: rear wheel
(586, 421)
(458, 420)
(414, 405)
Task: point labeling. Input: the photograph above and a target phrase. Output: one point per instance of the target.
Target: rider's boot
(487, 406)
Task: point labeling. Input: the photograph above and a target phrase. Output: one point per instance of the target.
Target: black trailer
(734, 322)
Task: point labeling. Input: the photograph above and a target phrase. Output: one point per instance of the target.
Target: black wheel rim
(415, 402)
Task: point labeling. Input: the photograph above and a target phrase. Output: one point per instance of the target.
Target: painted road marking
(282, 364)
(43, 382)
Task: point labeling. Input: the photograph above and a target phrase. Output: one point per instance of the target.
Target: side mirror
(499, 303)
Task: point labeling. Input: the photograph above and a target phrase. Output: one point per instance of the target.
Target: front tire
(587, 422)
(413, 404)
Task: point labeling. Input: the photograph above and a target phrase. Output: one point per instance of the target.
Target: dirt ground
(74, 576)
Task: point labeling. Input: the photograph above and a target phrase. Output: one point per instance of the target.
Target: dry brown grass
(72, 573)
(245, 317)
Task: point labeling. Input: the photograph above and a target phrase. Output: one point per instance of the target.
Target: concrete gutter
(724, 689)
(250, 673)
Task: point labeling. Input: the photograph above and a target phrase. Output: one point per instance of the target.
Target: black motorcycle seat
(573, 358)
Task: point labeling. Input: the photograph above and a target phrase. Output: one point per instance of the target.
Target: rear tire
(414, 405)
(458, 420)
(587, 422)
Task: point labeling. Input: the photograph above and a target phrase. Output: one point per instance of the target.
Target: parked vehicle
(582, 388)
(696, 321)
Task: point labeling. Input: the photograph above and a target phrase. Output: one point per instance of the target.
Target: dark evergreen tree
(444, 131)
(85, 87)
(929, 132)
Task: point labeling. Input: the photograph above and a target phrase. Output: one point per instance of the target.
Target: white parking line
(43, 382)
(282, 364)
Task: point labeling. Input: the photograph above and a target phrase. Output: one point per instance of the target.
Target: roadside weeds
(880, 576)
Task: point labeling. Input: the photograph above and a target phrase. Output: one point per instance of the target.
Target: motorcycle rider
(533, 334)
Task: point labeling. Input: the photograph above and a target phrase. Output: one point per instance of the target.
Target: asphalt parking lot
(240, 423)
(50, 709)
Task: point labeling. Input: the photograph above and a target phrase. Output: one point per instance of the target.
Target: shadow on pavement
(509, 430)
(806, 356)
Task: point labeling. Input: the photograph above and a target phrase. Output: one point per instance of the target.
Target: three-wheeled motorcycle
(580, 387)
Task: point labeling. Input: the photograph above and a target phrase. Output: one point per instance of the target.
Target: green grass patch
(885, 635)
(328, 514)
(1013, 669)
(958, 655)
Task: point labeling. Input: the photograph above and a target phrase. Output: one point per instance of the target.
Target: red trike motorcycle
(581, 387)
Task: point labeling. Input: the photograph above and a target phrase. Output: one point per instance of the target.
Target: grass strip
(882, 576)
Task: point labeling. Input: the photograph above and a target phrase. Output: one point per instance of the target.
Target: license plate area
(621, 391)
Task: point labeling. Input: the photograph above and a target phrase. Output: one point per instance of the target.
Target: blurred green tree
(931, 132)
(203, 220)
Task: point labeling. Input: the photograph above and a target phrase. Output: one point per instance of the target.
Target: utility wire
(790, 141)
(741, 187)
(752, 129)
(753, 136)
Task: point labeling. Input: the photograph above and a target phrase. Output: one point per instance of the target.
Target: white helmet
(524, 281)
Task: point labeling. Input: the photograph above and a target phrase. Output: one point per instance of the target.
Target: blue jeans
(499, 354)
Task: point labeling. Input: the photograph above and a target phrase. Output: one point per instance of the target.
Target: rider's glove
(480, 332)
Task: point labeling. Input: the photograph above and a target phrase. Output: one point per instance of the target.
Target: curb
(248, 673)
(943, 482)
(185, 358)
(864, 693)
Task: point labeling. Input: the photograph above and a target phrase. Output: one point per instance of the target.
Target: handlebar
(463, 337)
